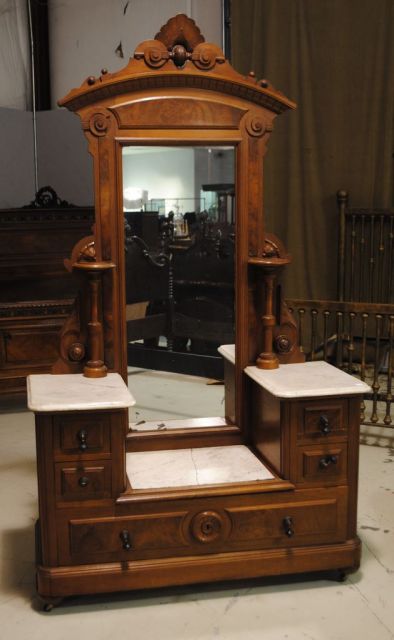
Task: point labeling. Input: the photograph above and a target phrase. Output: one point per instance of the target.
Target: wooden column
(95, 367)
(270, 266)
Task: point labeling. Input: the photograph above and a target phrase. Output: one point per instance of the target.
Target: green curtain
(335, 58)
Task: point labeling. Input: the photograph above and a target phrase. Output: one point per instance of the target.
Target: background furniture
(189, 290)
(355, 332)
(37, 293)
(365, 253)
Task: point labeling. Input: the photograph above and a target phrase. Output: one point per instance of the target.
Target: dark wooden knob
(125, 538)
(83, 481)
(82, 436)
(324, 425)
(288, 526)
(327, 460)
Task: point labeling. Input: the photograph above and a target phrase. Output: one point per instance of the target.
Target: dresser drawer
(324, 465)
(121, 539)
(285, 523)
(291, 524)
(82, 435)
(83, 481)
(321, 419)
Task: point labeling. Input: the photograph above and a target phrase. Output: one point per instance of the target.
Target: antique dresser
(270, 487)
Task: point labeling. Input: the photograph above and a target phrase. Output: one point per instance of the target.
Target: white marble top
(73, 391)
(307, 379)
(194, 467)
(228, 352)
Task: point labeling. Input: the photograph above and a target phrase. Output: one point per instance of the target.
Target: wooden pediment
(177, 57)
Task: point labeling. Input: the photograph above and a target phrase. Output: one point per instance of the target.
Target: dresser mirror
(179, 209)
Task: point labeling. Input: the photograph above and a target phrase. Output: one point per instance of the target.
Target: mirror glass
(179, 216)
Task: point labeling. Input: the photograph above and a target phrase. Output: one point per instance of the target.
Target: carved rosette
(206, 56)
(71, 343)
(154, 53)
(76, 351)
(282, 344)
(99, 122)
(256, 126)
(210, 526)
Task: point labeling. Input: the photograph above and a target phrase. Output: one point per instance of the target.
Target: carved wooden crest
(178, 56)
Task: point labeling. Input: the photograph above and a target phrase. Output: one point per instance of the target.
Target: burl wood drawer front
(325, 465)
(321, 419)
(87, 435)
(113, 539)
(208, 530)
(83, 481)
(316, 522)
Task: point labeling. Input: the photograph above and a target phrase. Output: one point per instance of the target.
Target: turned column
(95, 367)
(270, 265)
(267, 358)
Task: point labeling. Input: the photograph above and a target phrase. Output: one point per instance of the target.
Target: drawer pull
(83, 481)
(288, 526)
(125, 538)
(327, 460)
(324, 425)
(82, 436)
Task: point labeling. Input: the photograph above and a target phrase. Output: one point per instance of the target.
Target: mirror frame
(179, 90)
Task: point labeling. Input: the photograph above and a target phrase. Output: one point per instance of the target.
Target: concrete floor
(302, 608)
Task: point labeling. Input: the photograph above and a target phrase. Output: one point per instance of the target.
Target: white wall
(164, 173)
(64, 162)
(83, 37)
(16, 158)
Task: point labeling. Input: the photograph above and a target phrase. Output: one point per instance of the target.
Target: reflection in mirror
(179, 214)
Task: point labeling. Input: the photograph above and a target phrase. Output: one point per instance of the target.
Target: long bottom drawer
(207, 526)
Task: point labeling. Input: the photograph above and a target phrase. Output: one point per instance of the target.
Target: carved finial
(180, 30)
(342, 196)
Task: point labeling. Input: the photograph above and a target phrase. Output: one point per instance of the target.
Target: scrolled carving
(271, 249)
(47, 198)
(206, 56)
(256, 126)
(154, 53)
(99, 122)
(209, 526)
(87, 253)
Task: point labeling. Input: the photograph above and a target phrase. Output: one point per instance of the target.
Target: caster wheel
(341, 575)
(48, 605)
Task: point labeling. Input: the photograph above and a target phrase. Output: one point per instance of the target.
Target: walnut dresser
(269, 486)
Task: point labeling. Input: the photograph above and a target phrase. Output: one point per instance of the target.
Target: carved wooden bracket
(256, 126)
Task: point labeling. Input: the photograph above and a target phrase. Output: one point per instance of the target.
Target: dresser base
(59, 582)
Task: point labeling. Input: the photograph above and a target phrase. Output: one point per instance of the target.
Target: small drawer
(83, 482)
(321, 420)
(86, 435)
(325, 465)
